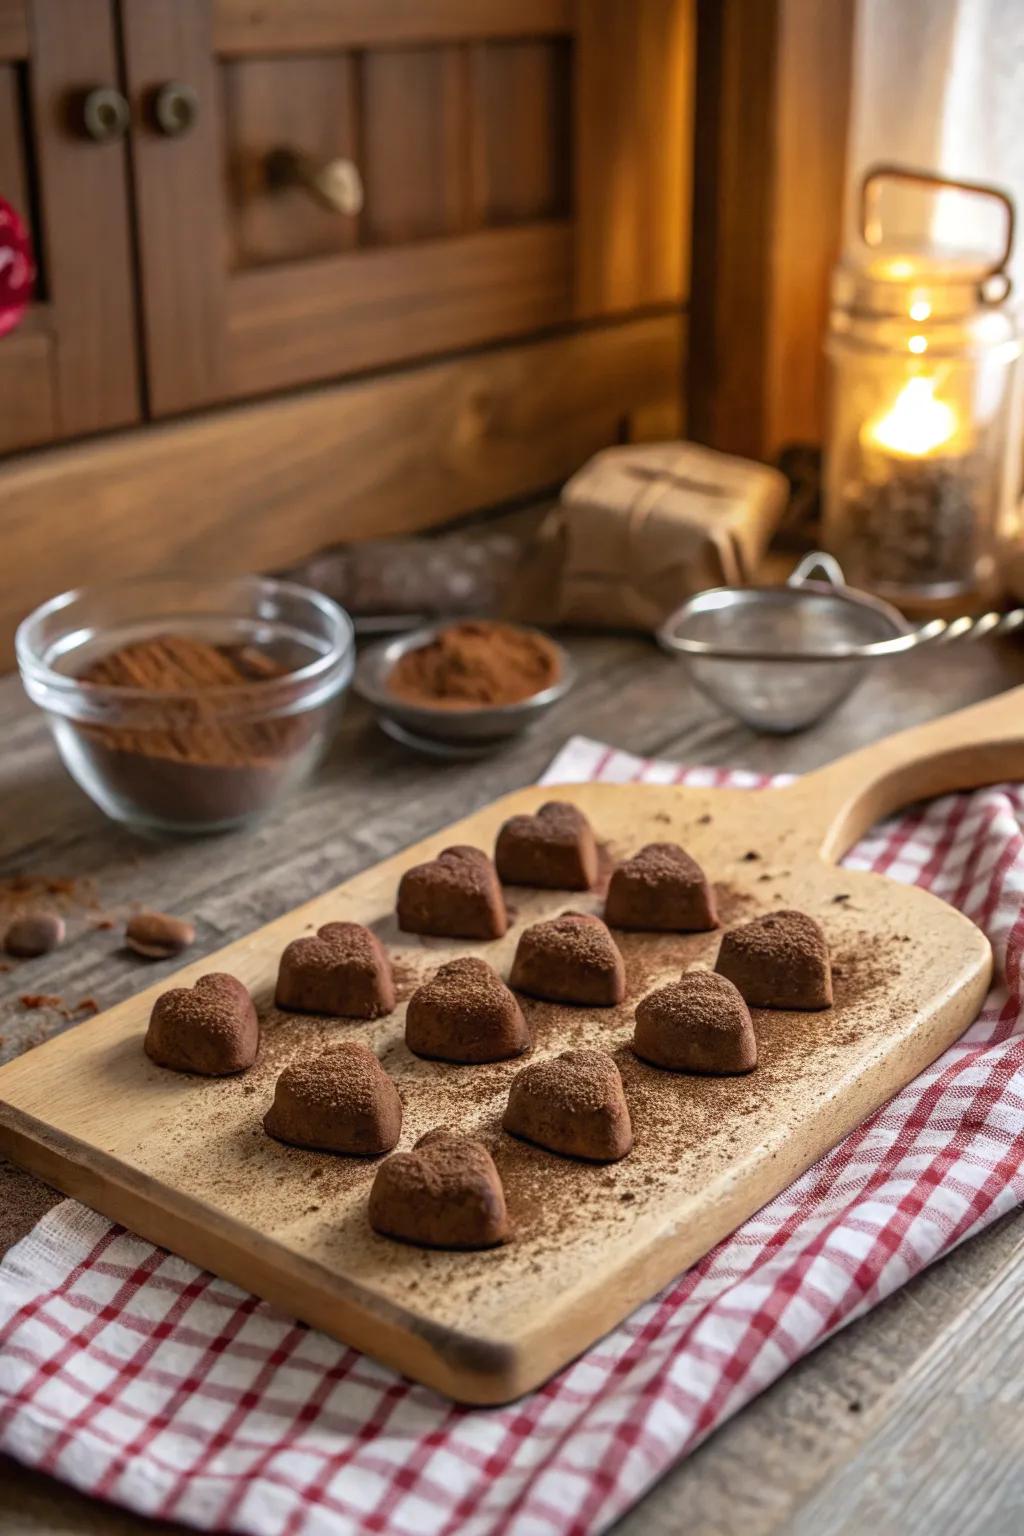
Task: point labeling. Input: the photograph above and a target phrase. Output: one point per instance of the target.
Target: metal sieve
(780, 658)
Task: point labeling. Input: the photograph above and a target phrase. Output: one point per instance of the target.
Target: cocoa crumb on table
(40, 1000)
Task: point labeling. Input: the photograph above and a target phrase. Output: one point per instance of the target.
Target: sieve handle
(820, 567)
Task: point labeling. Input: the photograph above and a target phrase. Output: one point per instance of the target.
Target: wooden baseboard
(260, 486)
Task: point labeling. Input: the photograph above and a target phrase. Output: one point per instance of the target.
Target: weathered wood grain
(371, 797)
(345, 314)
(633, 125)
(179, 205)
(241, 27)
(769, 178)
(261, 486)
(964, 1397)
(14, 38)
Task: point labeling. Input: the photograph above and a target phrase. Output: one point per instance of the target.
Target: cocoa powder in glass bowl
(188, 706)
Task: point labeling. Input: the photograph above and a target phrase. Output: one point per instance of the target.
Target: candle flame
(916, 424)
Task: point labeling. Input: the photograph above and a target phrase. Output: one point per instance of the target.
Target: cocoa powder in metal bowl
(478, 663)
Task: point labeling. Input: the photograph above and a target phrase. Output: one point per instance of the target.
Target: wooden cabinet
(522, 166)
(352, 267)
(71, 366)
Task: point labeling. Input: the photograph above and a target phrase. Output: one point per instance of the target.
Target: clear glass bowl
(201, 759)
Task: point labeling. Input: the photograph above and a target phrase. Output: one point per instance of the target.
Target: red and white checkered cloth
(138, 1378)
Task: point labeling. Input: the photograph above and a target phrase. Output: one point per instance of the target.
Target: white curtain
(939, 85)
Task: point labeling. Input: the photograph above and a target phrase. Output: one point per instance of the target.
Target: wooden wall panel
(634, 92)
(307, 104)
(14, 32)
(274, 26)
(183, 246)
(376, 307)
(415, 144)
(84, 210)
(28, 405)
(522, 95)
(13, 178)
(814, 82)
(260, 486)
(772, 108)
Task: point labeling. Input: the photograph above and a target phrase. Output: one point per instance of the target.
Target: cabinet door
(70, 366)
(522, 164)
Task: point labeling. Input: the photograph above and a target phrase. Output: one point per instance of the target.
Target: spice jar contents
(201, 753)
(915, 525)
(475, 664)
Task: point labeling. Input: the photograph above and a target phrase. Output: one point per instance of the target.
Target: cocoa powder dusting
(471, 664)
(336, 1080)
(551, 1200)
(21, 893)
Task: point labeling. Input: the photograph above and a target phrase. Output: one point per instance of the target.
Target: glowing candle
(916, 424)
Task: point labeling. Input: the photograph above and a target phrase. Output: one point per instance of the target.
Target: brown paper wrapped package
(641, 528)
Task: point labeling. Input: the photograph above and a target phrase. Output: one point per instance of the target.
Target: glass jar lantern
(922, 440)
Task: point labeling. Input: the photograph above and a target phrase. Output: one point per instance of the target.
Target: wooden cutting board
(185, 1163)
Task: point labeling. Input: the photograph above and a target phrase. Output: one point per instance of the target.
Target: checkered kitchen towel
(140, 1379)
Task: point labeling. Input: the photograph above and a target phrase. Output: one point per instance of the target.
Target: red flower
(17, 268)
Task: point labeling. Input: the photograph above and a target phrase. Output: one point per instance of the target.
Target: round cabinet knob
(105, 115)
(175, 108)
(335, 184)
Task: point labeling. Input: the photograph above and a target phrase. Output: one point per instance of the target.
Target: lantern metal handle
(870, 224)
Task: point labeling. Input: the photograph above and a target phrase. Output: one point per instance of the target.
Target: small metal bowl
(779, 658)
(454, 731)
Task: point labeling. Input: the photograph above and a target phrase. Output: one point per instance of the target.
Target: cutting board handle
(983, 744)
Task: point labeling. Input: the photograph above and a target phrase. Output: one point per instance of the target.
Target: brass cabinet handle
(175, 108)
(335, 184)
(105, 115)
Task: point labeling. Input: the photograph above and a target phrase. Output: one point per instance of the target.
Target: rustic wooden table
(907, 1420)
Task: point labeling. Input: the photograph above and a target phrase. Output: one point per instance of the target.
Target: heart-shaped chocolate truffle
(570, 959)
(697, 1024)
(210, 1028)
(340, 1101)
(445, 1193)
(344, 971)
(661, 889)
(778, 961)
(466, 1013)
(455, 896)
(573, 1104)
(554, 848)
